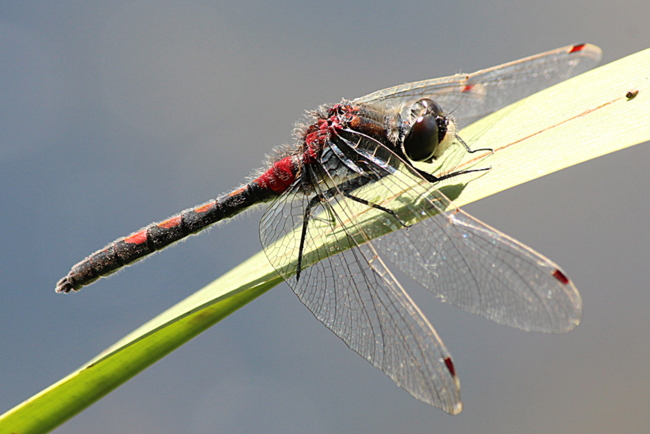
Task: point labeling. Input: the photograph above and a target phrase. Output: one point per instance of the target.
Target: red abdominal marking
(450, 366)
(205, 208)
(236, 192)
(137, 238)
(577, 48)
(468, 88)
(279, 177)
(561, 277)
(172, 222)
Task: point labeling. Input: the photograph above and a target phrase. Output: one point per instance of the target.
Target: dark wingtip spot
(576, 48)
(450, 366)
(561, 277)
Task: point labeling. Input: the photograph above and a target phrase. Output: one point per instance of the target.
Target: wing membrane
(322, 227)
(462, 260)
(469, 97)
(355, 295)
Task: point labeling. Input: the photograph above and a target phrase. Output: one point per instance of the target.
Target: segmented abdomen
(157, 236)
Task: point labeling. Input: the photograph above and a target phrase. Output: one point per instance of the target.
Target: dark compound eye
(432, 106)
(422, 140)
(427, 130)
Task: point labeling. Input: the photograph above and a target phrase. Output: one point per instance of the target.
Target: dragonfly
(350, 195)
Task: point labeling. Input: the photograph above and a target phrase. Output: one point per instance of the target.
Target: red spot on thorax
(170, 223)
(450, 366)
(137, 238)
(577, 48)
(561, 277)
(311, 138)
(317, 133)
(315, 138)
(279, 177)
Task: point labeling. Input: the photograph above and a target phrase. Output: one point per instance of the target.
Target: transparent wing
(469, 97)
(353, 293)
(460, 259)
(481, 270)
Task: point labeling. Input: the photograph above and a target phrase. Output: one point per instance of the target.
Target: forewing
(354, 294)
(468, 97)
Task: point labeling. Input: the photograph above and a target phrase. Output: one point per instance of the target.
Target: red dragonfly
(352, 163)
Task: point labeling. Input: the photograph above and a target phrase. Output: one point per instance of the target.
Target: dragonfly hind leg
(313, 202)
(316, 200)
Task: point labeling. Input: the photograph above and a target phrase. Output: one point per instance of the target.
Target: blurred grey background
(116, 114)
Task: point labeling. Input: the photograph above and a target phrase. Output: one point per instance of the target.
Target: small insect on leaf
(631, 94)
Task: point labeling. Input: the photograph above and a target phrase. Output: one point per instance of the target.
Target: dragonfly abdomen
(156, 236)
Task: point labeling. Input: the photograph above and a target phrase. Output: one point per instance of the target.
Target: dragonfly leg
(433, 179)
(303, 235)
(471, 151)
(461, 172)
(343, 189)
(375, 206)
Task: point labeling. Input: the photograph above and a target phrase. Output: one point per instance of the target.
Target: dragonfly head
(428, 131)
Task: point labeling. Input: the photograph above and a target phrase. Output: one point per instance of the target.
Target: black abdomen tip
(65, 285)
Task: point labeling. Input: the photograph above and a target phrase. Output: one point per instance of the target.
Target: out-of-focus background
(115, 114)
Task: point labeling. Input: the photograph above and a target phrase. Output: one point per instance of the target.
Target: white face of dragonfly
(428, 132)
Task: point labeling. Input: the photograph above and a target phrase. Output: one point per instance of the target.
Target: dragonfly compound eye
(428, 129)
(422, 140)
